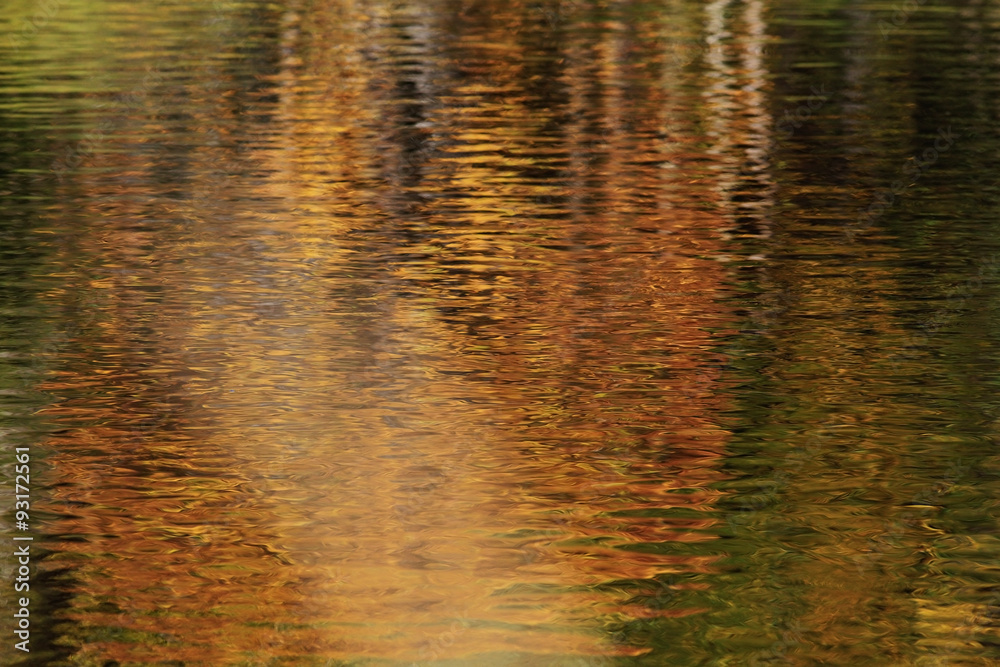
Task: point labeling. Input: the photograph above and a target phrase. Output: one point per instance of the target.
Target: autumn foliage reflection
(425, 339)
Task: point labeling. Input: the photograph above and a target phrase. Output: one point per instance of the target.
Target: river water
(565, 332)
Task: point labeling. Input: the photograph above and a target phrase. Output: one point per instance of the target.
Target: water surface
(503, 333)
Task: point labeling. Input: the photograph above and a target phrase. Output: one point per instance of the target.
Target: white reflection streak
(718, 95)
(760, 137)
(729, 103)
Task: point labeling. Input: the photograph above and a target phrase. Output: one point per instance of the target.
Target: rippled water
(502, 333)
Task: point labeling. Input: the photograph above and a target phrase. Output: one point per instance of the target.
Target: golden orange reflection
(418, 367)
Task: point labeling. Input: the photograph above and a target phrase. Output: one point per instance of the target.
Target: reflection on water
(503, 333)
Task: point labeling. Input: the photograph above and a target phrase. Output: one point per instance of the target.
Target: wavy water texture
(521, 333)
